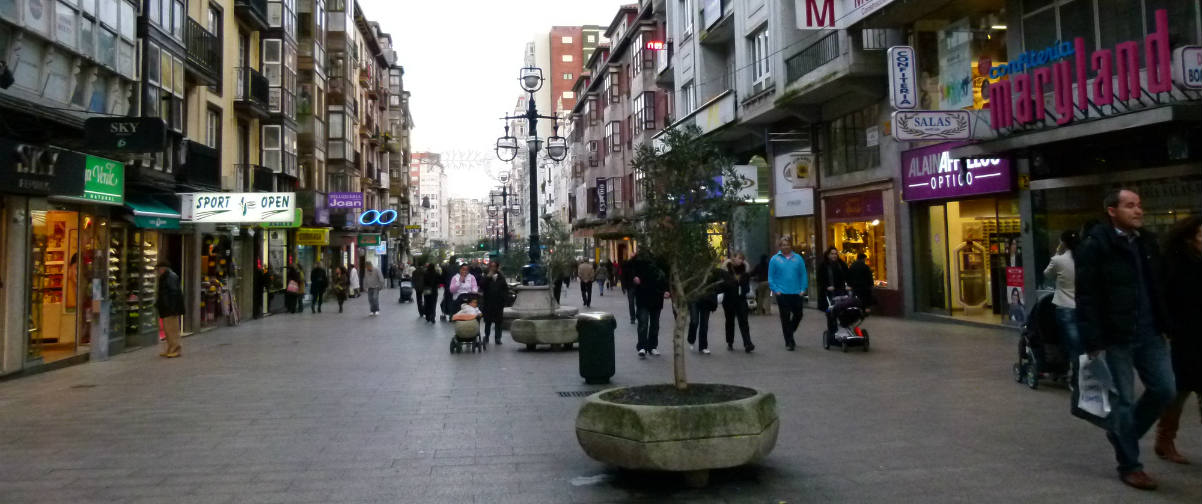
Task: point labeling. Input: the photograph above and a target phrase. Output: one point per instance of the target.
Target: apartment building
(467, 221)
(430, 209)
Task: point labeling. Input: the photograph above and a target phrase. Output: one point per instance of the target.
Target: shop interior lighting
(998, 27)
(876, 222)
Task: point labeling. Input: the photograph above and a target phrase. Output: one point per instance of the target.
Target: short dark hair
(861, 255)
(1112, 197)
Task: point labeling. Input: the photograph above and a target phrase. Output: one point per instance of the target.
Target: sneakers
(705, 351)
(655, 352)
(642, 354)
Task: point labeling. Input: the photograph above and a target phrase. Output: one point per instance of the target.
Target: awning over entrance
(152, 214)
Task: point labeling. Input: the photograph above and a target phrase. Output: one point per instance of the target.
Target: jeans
(421, 303)
(648, 328)
(319, 296)
(736, 311)
(430, 305)
(699, 326)
(1130, 417)
(488, 325)
(373, 299)
(630, 301)
(586, 293)
(790, 316)
(601, 287)
(557, 290)
(1066, 320)
(292, 302)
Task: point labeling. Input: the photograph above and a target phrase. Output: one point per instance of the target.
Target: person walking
(832, 283)
(859, 278)
(169, 302)
(628, 287)
(342, 285)
(650, 282)
(353, 277)
(1062, 272)
(759, 275)
(373, 282)
(419, 285)
(788, 280)
(431, 280)
(586, 273)
(1120, 313)
(294, 288)
(602, 278)
(1183, 283)
(462, 284)
(736, 284)
(699, 315)
(495, 292)
(319, 281)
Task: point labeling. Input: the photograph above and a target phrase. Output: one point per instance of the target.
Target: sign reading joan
(916, 125)
(104, 180)
(125, 134)
(235, 208)
(929, 173)
(903, 93)
(345, 200)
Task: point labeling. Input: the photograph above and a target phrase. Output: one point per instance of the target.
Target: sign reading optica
(345, 200)
(238, 207)
(930, 173)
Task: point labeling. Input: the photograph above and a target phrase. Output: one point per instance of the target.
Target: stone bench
(512, 314)
(551, 331)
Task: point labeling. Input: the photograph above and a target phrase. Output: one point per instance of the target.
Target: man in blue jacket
(788, 280)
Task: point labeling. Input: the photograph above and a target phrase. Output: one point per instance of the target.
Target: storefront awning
(1188, 112)
(145, 207)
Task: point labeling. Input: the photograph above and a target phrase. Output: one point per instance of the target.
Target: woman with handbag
(736, 286)
(1183, 276)
(294, 288)
(342, 285)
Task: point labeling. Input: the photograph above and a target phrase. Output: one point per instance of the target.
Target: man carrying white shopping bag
(1120, 317)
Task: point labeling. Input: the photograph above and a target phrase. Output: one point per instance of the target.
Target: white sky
(461, 60)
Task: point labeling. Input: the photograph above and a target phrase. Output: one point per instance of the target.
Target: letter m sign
(815, 14)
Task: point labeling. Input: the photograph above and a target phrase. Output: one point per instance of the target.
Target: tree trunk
(680, 330)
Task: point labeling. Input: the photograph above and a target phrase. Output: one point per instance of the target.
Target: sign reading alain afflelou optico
(237, 208)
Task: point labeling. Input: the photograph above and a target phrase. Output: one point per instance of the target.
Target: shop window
(9, 10)
(64, 24)
(87, 37)
(847, 139)
(63, 245)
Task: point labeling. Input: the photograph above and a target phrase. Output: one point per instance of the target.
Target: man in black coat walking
(650, 282)
(169, 302)
(1120, 312)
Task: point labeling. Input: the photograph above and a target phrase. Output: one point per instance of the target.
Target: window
(761, 68)
(644, 110)
(565, 40)
(177, 20)
(212, 128)
(590, 39)
(847, 139)
(687, 13)
(213, 21)
(613, 136)
(567, 58)
(129, 27)
(82, 81)
(58, 78)
(568, 95)
(64, 25)
(87, 37)
(688, 97)
(271, 155)
(567, 76)
(613, 86)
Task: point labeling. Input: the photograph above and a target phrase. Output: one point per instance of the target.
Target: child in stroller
(467, 326)
(848, 313)
(1041, 353)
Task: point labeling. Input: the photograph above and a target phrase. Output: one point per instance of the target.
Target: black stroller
(848, 313)
(1041, 352)
(406, 289)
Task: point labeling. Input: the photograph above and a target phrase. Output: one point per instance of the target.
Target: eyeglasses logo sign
(377, 217)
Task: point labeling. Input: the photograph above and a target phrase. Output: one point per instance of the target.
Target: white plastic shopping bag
(1091, 397)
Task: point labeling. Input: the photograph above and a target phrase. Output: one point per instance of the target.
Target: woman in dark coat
(430, 291)
(292, 299)
(1183, 295)
(318, 282)
(859, 278)
(736, 284)
(832, 283)
(342, 285)
(495, 291)
(419, 285)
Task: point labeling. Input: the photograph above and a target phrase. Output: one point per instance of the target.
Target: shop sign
(601, 190)
(298, 216)
(148, 222)
(233, 208)
(104, 180)
(794, 202)
(39, 170)
(872, 136)
(903, 91)
(930, 173)
(746, 182)
(793, 170)
(1020, 100)
(909, 126)
(857, 206)
(1031, 59)
(827, 14)
(378, 217)
(125, 134)
(313, 236)
(369, 240)
(1187, 67)
(345, 200)
(413, 228)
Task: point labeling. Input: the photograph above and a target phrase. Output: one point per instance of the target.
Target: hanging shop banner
(345, 200)
(910, 126)
(827, 14)
(104, 180)
(297, 218)
(40, 170)
(313, 236)
(235, 208)
(602, 208)
(125, 134)
(930, 173)
(1187, 67)
(794, 202)
(369, 240)
(1015, 296)
(855, 207)
(903, 80)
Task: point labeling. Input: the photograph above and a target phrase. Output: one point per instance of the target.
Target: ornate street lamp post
(531, 80)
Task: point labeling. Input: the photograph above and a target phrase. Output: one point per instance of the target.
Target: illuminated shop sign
(238, 207)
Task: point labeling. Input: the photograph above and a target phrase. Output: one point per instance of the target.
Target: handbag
(1091, 393)
(293, 287)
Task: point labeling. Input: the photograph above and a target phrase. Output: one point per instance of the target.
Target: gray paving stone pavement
(346, 408)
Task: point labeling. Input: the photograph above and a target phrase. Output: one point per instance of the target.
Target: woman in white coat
(354, 281)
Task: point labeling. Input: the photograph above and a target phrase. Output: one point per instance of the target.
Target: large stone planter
(535, 302)
(739, 427)
(553, 331)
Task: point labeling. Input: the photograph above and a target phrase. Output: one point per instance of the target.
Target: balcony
(202, 172)
(204, 54)
(251, 94)
(365, 78)
(252, 12)
(834, 67)
(262, 179)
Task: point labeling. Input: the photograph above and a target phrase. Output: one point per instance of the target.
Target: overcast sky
(461, 60)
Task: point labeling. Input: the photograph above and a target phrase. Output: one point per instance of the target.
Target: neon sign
(377, 217)
(655, 45)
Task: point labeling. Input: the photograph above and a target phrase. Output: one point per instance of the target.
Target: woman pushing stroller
(462, 285)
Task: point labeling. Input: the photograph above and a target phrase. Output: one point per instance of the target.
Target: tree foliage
(561, 259)
(688, 186)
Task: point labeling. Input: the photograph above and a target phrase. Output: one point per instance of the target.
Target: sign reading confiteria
(1020, 100)
(238, 207)
(930, 173)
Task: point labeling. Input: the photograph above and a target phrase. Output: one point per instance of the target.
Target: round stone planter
(652, 427)
(552, 331)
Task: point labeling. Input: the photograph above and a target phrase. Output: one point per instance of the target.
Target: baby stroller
(848, 313)
(467, 334)
(406, 289)
(1041, 353)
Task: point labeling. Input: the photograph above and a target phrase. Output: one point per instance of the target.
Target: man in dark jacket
(1119, 312)
(859, 278)
(650, 282)
(169, 302)
(628, 287)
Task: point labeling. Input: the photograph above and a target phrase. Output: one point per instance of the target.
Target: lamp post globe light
(531, 80)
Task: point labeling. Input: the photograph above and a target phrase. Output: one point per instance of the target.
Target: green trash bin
(596, 333)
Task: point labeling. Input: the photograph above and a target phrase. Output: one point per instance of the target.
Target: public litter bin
(596, 333)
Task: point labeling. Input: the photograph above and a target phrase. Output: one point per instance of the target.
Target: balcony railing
(203, 168)
(252, 91)
(252, 12)
(263, 179)
(244, 175)
(204, 53)
(809, 59)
